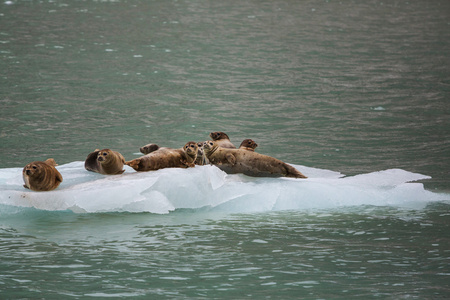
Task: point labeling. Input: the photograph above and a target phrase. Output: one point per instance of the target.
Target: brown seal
(248, 144)
(222, 139)
(248, 162)
(41, 175)
(149, 148)
(201, 159)
(106, 162)
(166, 158)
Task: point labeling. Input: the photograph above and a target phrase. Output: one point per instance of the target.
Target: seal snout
(28, 172)
(102, 156)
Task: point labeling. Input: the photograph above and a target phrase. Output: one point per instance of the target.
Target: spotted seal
(105, 161)
(201, 157)
(166, 158)
(248, 162)
(41, 175)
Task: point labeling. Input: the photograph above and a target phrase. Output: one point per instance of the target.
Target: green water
(363, 253)
(349, 86)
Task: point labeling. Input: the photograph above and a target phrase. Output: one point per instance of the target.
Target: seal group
(220, 152)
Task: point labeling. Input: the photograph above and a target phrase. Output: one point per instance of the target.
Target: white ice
(206, 186)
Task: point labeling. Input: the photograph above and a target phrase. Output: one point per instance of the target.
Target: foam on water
(207, 186)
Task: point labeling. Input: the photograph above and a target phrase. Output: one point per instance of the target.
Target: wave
(166, 190)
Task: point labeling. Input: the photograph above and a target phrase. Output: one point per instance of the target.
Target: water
(359, 252)
(353, 87)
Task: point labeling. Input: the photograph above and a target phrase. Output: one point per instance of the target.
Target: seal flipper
(231, 159)
(51, 162)
(293, 172)
(58, 176)
(134, 163)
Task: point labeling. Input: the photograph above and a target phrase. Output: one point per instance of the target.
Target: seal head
(248, 144)
(222, 139)
(149, 148)
(191, 150)
(201, 157)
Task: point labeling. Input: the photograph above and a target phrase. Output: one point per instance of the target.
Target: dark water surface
(348, 86)
(364, 253)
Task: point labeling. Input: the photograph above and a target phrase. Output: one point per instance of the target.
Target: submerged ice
(165, 190)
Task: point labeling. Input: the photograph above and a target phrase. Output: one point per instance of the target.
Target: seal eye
(34, 167)
(104, 153)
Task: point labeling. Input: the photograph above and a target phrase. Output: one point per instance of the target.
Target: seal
(166, 158)
(41, 175)
(201, 159)
(222, 139)
(248, 162)
(149, 148)
(106, 162)
(248, 144)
